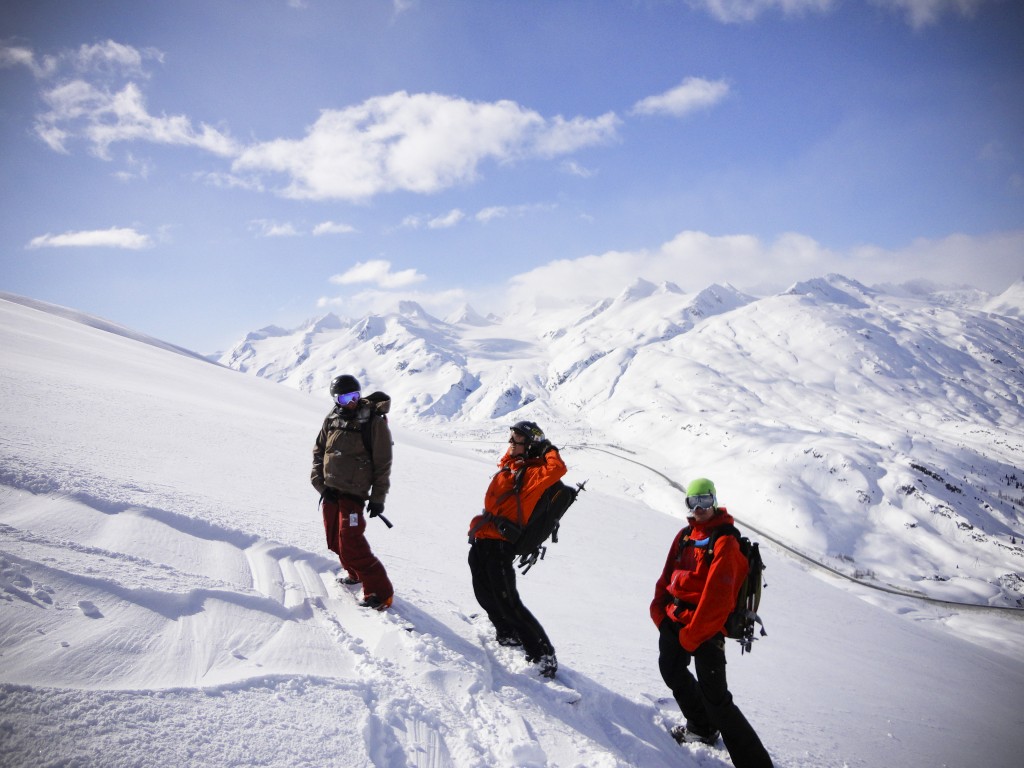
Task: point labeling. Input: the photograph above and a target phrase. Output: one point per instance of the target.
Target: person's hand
(539, 449)
(375, 508)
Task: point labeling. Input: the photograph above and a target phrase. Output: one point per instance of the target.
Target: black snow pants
(705, 701)
(491, 562)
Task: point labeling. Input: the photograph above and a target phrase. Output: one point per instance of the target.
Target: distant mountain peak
(638, 289)
(414, 310)
(466, 315)
(1010, 302)
(329, 322)
(835, 289)
(669, 287)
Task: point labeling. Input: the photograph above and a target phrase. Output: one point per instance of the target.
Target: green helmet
(701, 493)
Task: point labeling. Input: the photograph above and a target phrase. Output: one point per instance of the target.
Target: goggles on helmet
(347, 398)
(702, 500)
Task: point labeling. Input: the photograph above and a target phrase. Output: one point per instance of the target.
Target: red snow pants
(345, 526)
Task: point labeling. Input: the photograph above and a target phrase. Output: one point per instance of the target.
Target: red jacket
(500, 499)
(689, 578)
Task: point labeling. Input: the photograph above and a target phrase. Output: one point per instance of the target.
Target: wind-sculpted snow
(167, 598)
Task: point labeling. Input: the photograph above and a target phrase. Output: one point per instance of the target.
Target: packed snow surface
(168, 599)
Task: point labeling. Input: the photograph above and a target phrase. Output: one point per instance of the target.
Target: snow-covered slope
(1009, 302)
(881, 432)
(166, 599)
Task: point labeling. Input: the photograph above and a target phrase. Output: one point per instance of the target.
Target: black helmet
(529, 430)
(344, 384)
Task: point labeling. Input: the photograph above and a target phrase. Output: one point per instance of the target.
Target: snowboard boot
(509, 640)
(374, 602)
(548, 665)
(684, 735)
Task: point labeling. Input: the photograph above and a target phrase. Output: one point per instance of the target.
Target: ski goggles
(347, 398)
(702, 500)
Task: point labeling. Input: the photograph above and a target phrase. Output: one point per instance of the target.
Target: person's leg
(356, 554)
(501, 574)
(745, 748)
(480, 554)
(332, 529)
(674, 665)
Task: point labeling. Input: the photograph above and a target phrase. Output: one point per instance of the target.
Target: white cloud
(562, 137)
(230, 181)
(692, 94)
(444, 221)
(137, 169)
(414, 142)
(378, 271)
(418, 143)
(921, 13)
(115, 237)
(78, 108)
(413, 221)
(492, 212)
(575, 169)
(19, 56)
(695, 260)
(108, 58)
(99, 106)
(333, 228)
(376, 302)
(495, 212)
(268, 228)
(732, 11)
(112, 57)
(447, 221)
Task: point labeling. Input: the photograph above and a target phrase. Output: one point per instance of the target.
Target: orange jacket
(689, 578)
(501, 499)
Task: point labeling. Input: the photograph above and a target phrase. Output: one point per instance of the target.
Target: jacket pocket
(349, 473)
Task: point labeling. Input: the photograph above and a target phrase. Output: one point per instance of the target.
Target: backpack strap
(708, 544)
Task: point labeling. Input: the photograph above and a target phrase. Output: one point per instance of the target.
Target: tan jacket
(341, 462)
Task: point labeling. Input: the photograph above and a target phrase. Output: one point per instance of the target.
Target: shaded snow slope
(166, 598)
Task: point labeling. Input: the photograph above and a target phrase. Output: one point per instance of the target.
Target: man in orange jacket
(529, 467)
(692, 599)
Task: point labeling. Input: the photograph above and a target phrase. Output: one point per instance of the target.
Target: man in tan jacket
(352, 467)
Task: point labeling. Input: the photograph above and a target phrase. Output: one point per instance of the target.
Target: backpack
(740, 624)
(380, 404)
(528, 540)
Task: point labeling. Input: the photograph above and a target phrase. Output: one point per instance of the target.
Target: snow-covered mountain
(166, 597)
(880, 431)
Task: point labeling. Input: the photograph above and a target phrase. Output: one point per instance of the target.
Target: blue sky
(199, 169)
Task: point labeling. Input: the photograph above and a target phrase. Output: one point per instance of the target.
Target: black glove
(375, 508)
(329, 495)
(538, 449)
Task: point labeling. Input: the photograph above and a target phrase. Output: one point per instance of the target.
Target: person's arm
(316, 476)
(661, 595)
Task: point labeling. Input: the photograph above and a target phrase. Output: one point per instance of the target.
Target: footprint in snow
(90, 609)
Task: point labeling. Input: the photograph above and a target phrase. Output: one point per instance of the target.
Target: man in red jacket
(692, 599)
(529, 467)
